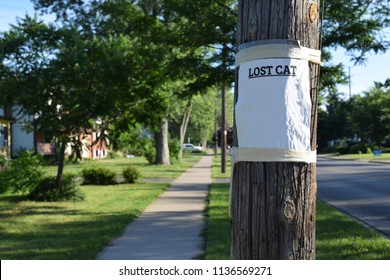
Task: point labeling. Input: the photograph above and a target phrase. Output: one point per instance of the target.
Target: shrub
(3, 184)
(23, 174)
(115, 154)
(131, 174)
(342, 150)
(3, 161)
(47, 190)
(98, 176)
(150, 153)
(174, 149)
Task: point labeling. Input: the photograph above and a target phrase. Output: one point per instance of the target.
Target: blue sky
(377, 67)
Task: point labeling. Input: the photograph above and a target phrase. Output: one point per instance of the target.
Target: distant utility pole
(273, 201)
(223, 131)
(349, 82)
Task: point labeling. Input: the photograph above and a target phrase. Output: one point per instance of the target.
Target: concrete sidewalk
(171, 227)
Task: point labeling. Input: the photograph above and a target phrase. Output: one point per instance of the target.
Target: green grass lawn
(338, 236)
(70, 230)
(117, 165)
(80, 230)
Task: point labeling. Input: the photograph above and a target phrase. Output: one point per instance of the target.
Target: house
(92, 148)
(14, 137)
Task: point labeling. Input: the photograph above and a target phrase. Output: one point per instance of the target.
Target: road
(359, 188)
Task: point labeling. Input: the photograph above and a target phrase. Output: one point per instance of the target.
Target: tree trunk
(273, 203)
(61, 160)
(184, 125)
(162, 148)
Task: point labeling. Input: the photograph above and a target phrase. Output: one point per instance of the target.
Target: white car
(192, 148)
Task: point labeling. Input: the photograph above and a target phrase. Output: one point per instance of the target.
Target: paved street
(358, 188)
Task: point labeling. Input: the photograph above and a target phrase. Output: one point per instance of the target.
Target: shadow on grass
(64, 240)
(70, 230)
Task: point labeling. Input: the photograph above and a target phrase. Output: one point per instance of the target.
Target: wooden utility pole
(273, 203)
(223, 130)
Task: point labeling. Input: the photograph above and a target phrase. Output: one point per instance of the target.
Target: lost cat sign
(273, 109)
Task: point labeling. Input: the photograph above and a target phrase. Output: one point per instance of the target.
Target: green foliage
(114, 154)
(23, 174)
(343, 150)
(3, 161)
(47, 190)
(174, 149)
(370, 115)
(3, 184)
(131, 174)
(150, 152)
(98, 176)
(365, 118)
(355, 25)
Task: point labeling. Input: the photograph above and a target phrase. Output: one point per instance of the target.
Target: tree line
(363, 121)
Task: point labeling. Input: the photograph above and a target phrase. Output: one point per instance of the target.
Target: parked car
(192, 148)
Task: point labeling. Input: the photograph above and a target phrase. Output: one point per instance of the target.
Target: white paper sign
(273, 110)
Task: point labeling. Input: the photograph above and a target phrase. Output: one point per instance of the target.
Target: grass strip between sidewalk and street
(339, 237)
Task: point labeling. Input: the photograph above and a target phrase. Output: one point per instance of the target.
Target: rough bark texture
(273, 204)
(162, 148)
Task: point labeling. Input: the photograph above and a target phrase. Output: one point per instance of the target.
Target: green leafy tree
(370, 115)
(66, 79)
(357, 26)
(336, 124)
(188, 41)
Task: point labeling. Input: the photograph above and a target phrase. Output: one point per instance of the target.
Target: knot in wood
(288, 209)
(313, 12)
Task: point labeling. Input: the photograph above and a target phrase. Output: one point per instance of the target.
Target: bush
(3, 161)
(150, 153)
(47, 190)
(342, 150)
(115, 154)
(3, 184)
(98, 176)
(174, 149)
(131, 174)
(23, 174)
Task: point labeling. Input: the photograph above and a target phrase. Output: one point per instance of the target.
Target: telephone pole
(273, 202)
(223, 130)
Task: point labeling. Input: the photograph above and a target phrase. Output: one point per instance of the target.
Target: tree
(66, 80)
(356, 26)
(370, 115)
(189, 40)
(273, 203)
(334, 123)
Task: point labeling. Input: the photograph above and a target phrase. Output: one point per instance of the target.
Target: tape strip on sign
(270, 155)
(273, 110)
(276, 49)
